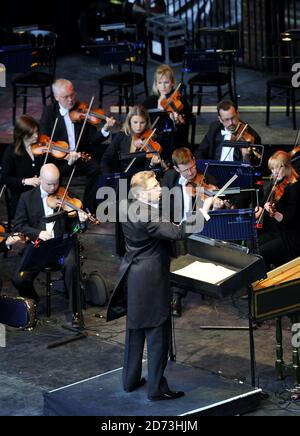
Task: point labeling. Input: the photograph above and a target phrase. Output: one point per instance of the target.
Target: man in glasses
(222, 130)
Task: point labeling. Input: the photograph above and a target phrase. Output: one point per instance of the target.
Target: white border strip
(229, 400)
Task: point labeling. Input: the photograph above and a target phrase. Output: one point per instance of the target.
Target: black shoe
(170, 395)
(176, 307)
(138, 385)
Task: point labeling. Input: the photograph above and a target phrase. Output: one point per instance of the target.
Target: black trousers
(273, 249)
(157, 348)
(24, 281)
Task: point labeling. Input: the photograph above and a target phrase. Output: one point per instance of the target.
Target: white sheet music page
(206, 272)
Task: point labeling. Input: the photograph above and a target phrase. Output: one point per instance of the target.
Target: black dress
(279, 242)
(179, 136)
(15, 169)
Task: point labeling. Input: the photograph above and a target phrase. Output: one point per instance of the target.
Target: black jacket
(111, 160)
(181, 131)
(288, 230)
(30, 213)
(210, 147)
(143, 290)
(90, 136)
(15, 168)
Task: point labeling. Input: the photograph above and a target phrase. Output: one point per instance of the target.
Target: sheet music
(206, 272)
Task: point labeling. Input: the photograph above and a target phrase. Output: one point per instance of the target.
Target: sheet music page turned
(206, 272)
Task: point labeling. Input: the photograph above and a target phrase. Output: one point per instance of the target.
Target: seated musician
(224, 129)
(279, 239)
(20, 168)
(164, 85)
(129, 140)
(31, 209)
(186, 177)
(69, 131)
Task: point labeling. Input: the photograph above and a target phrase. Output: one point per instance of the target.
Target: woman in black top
(279, 241)
(129, 140)
(20, 168)
(163, 86)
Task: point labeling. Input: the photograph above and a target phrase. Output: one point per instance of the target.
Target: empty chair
(131, 61)
(42, 71)
(212, 71)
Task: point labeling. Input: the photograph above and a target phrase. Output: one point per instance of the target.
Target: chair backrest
(111, 53)
(43, 44)
(16, 58)
(198, 61)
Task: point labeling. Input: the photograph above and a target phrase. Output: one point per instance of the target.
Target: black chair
(42, 72)
(49, 284)
(213, 70)
(132, 57)
(278, 87)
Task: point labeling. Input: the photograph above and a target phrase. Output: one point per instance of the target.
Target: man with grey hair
(143, 292)
(69, 131)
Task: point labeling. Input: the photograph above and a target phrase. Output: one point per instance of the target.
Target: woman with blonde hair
(164, 85)
(128, 140)
(279, 241)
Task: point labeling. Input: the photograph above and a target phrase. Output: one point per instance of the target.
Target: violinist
(224, 129)
(279, 240)
(164, 85)
(66, 130)
(181, 180)
(20, 168)
(32, 207)
(130, 140)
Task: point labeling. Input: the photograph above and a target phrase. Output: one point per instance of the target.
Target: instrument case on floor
(17, 312)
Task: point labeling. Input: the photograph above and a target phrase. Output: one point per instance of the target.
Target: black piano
(243, 269)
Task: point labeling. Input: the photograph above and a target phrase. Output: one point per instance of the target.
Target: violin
(294, 151)
(71, 205)
(95, 116)
(241, 134)
(58, 149)
(199, 181)
(149, 145)
(173, 103)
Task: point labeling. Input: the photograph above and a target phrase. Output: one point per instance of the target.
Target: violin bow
(50, 142)
(199, 188)
(241, 133)
(84, 122)
(2, 191)
(269, 196)
(148, 139)
(77, 144)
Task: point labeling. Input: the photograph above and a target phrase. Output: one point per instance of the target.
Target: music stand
(247, 144)
(111, 53)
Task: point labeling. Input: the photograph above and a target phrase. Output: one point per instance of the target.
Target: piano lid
(232, 259)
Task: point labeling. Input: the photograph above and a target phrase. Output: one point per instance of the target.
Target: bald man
(31, 209)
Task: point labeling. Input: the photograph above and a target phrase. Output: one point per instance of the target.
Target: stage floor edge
(205, 394)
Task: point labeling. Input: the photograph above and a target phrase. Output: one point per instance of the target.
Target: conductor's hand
(44, 235)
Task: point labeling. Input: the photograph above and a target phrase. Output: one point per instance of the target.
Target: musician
(66, 130)
(279, 241)
(164, 85)
(182, 177)
(31, 209)
(20, 168)
(221, 130)
(143, 291)
(129, 140)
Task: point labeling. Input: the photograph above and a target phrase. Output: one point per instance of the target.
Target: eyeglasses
(228, 120)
